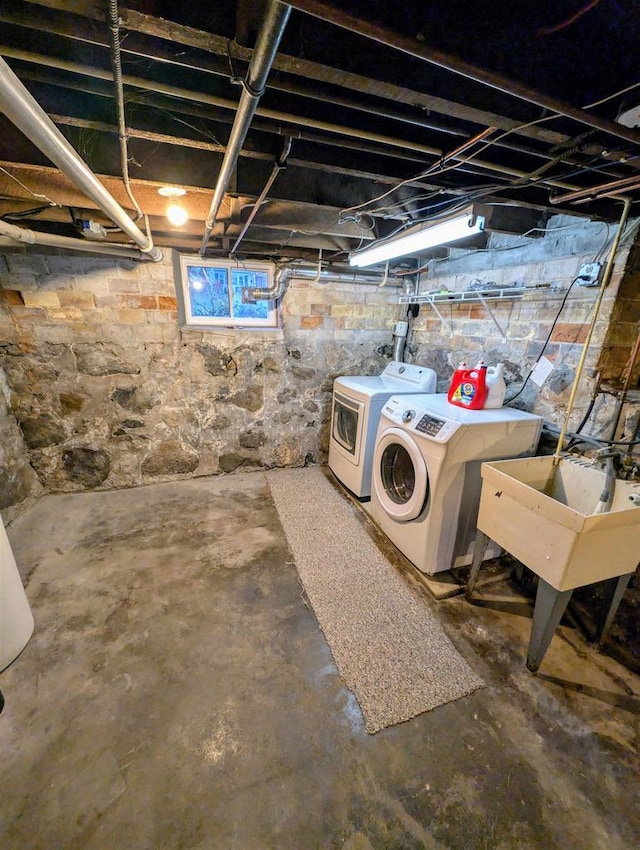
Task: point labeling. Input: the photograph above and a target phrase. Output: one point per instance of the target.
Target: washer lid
(396, 379)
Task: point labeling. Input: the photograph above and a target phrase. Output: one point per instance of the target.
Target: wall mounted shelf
(482, 296)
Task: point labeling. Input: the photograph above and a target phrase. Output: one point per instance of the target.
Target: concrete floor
(177, 693)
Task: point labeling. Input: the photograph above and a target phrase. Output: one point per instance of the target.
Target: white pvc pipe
(12, 233)
(29, 117)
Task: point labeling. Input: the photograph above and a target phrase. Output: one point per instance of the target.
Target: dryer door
(400, 475)
(346, 430)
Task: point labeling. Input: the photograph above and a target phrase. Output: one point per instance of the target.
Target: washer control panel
(402, 413)
(430, 425)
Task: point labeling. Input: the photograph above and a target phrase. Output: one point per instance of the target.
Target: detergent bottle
(468, 387)
(458, 374)
(496, 387)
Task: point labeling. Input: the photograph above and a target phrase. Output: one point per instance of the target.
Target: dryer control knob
(408, 415)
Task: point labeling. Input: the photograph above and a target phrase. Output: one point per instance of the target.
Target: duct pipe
(273, 26)
(24, 111)
(51, 240)
(400, 331)
(282, 278)
(277, 168)
(418, 50)
(345, 276)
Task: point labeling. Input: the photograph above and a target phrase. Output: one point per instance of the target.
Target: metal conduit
(116, 63)
(273, 26)
(24, 111)
(417, 50)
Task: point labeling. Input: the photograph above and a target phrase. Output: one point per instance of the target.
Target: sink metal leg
(549, 608)
(479, 550)
(613, 595)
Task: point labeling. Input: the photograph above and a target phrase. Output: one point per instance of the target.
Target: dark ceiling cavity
(372, 119)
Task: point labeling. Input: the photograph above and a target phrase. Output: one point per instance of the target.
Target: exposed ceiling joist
(380, 136)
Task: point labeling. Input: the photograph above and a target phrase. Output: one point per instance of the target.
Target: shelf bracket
(442, 318)
(493, 318)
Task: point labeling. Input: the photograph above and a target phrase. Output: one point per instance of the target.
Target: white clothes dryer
(426, 479)
(355, 413)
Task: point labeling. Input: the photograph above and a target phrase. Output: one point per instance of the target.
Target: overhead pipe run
(12, 233)
(346, 275)
(416, 148)
(273, 26)
(29, 117)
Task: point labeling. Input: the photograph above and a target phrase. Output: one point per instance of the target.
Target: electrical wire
(568, 21)
(611, 96)
(116, 64)
(628, 230)
(546, 342)
(19, 215)
(39, 195)
(486, 144)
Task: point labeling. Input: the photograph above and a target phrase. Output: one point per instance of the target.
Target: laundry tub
(16, 619)
(543, 514)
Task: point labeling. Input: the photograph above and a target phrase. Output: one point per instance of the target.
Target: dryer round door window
(400, 475)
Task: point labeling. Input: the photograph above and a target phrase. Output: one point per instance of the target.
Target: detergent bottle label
(468, 388)
(465, 393)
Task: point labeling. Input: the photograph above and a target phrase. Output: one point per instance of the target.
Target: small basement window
(210, 293)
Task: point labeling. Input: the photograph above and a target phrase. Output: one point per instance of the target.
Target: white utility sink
(543, 515)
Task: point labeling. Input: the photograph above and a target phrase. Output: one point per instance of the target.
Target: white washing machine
(355, 413)
(426, 473)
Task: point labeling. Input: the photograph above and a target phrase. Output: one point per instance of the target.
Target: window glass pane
(208, 291)
(248, 278)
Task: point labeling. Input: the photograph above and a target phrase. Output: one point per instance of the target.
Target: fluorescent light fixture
(418, 239)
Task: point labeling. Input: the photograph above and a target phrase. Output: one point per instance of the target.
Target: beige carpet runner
(388, 646)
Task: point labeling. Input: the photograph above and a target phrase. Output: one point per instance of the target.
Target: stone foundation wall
(547, 265)
(19, 484)
(108, 392)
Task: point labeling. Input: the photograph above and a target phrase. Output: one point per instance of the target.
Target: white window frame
(182, 265)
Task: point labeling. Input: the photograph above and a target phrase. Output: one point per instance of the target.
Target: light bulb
(177, 215)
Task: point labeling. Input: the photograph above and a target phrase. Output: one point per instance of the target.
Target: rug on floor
(388, 645)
